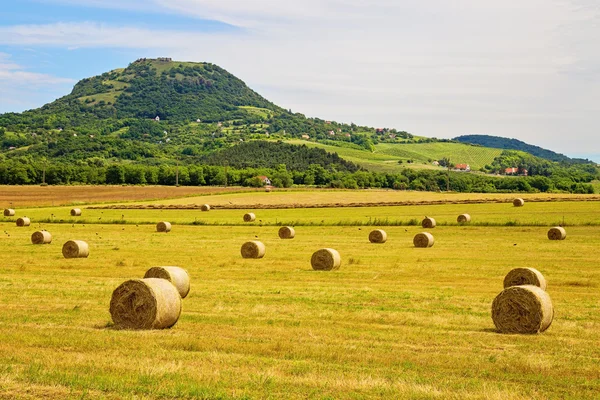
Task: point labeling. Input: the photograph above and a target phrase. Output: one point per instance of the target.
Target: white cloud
(528, 70)
(21, 89)
(17, 75)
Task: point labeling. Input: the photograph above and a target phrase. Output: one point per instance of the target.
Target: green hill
(391, 157)
(168, 122)
(514, 144)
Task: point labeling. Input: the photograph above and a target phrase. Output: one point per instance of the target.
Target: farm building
(462, 167)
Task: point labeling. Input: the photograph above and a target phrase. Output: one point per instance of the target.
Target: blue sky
(523, 69)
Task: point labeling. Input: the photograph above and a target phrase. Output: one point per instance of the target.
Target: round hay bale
(9, 212)
(204, 207)
(287, 232)
(75, 212)
(557, 233)
(163, 226)
(24, 221)
(522, 309)
(525, 276)
(325, 260)
(249, 217)
(41, 237)
(253, 249)
(463, 219)
(76, 249)
(428, 223)
(378, 236)
(150, 303)
(423, 239)
(176, 275)
(518, 202)
(267, 189)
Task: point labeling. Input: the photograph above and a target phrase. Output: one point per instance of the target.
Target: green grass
(261, 112)
(459, 153)
(371, 161)
(108, 97)
(494, 214)
(387, 155)
(393, 322)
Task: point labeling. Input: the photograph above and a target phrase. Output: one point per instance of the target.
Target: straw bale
(518, 202)
(463, 219)
(423, 239)
(325, 260)
(9, 212)
(253, 249)
(522, 309)
(76, 249)
(557, 233)
(525, 276)
(287, 232)
(176, 275)
(428, 223)
(378, 236)
(249, 217)
(150, 303)
(163, 226)
(205, 207)
(75, 212)
(41, 237)
(24, 221)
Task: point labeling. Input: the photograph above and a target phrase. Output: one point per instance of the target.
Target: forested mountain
(164, 122)
(514, 144)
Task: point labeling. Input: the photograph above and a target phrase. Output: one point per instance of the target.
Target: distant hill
(514, 144)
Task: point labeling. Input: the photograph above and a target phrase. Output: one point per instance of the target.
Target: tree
(115, 174)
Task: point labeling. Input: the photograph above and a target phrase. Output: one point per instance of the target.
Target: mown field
(393, 322)
(386, 156)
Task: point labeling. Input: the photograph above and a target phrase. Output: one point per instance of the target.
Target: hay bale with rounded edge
(176, 275)
(253, 249)
(522, 309)
(378, 236)
(286, 232)
(204, 207)
(249, 217)
(423, 239)
(41, 237)
(518, 202)
(428, 223)
(150, 303)
(463, 219)
(75, 212)
(23, 221)
(76, 249)
(163, 226)
(557, 233)
(9, 212)
(325, 260)
(525, 276)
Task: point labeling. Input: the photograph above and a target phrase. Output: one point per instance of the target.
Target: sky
(523, 69)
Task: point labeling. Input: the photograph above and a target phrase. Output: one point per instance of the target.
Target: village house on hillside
(462, 167)
(516, 171)
(265, 180)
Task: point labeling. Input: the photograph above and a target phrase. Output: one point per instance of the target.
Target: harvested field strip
(571, 213)
(38, 196)
(260, 206)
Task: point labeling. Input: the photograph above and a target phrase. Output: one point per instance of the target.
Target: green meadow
(393, 322)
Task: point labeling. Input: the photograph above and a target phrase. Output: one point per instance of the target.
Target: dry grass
(398, 322)
(30, 196)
